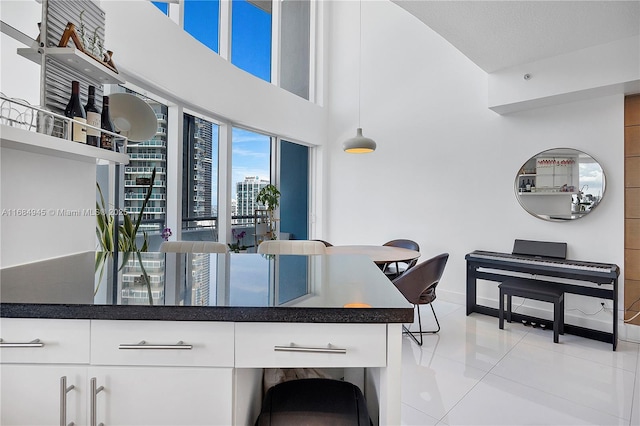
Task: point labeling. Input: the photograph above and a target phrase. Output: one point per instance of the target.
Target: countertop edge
(207, 313)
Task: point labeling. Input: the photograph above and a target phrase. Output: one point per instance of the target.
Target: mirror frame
(553, 182)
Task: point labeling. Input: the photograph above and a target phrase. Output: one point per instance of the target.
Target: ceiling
(501, 34)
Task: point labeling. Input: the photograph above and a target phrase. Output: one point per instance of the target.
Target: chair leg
(420, 332)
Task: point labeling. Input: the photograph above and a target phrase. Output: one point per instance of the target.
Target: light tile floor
(473, 373)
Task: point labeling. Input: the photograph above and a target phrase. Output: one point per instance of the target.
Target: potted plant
(269, 197)
(127, 232)
(238, 237)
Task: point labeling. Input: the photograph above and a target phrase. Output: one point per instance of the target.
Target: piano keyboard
(545, 261)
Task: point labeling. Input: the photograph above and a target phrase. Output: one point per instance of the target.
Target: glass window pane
(201, 20)
(295, 47)
(144, 156)
(251, 37)
(163, 6)
(251, 159)
(199, 179)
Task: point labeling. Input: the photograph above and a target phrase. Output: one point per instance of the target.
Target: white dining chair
(193, 247)
(291, 247)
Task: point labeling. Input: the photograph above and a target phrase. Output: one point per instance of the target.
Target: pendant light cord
(360, 66)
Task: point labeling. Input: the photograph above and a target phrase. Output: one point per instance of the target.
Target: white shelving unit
(37, 143)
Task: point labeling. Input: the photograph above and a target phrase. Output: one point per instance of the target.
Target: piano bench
(536, 290)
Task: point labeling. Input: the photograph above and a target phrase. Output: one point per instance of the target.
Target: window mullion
(224, 40)
(276, 13)
(174, 170)
(315, 31)
(224, 183)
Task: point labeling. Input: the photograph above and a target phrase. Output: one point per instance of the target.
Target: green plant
(269, 196)
(127, 232)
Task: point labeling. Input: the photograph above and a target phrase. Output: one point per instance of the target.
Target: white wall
(44, 203)
(19, 77)
(445, 166)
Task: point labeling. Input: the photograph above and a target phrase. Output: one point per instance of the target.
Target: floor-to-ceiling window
(250, 172)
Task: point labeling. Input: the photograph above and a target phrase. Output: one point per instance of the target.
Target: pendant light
(359, 144)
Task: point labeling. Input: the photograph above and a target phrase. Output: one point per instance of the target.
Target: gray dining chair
(193, 247)
(418, 286)
(394, 269)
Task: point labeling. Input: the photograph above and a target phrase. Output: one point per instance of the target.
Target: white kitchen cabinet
(183, 374)
(162, 396)
(35, 355)
(162, 372)
(162, 343)
(32, 395)
(310, 345)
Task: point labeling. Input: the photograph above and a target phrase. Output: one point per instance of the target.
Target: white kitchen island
(187, 365)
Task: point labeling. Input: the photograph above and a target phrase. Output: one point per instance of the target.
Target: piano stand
(594, 280)
(537, 290)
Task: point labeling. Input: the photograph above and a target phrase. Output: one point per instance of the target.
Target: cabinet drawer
(171, 343)
(52, 341)
(310, 345)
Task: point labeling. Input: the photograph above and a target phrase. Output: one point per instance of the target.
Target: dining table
(378, 254)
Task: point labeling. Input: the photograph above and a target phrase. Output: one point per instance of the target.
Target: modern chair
(193, 247)
(395, 269)
(291, 247)
(314, 402)
(326, 243)
(418, 286)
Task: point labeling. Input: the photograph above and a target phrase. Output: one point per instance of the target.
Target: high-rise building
(197, 167)
(197, 200)
(144, 156)
(246, 193)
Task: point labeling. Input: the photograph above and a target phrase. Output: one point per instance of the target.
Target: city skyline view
(251, 51)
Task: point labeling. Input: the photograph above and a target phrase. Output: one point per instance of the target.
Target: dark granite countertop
(255, 288)
(207, 313)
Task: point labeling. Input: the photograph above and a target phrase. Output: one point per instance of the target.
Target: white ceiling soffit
(502, 34)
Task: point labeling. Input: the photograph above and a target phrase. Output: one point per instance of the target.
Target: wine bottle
(106, 140)
(528, 185)
(75, 110)
(93, 118)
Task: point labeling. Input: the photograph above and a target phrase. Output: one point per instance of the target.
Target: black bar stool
(537, 290)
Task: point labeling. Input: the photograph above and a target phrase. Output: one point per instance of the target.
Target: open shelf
(25, 140)
(76, 60)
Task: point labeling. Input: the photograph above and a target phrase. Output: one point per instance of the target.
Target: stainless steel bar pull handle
(35, 343)
(95, 390)
(327, 350)
(64, 390)
(144, 345)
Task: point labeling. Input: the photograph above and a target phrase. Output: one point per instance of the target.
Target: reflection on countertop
(208, 287)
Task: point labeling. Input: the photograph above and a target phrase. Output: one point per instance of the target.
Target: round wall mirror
(560, 184)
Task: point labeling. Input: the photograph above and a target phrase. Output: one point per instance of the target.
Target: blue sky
(251, 51)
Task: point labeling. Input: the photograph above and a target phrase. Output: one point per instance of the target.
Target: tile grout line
(483, 377)
(558, 396)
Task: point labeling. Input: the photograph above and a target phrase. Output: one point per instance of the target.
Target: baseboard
(629, 332)
(626, 332)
